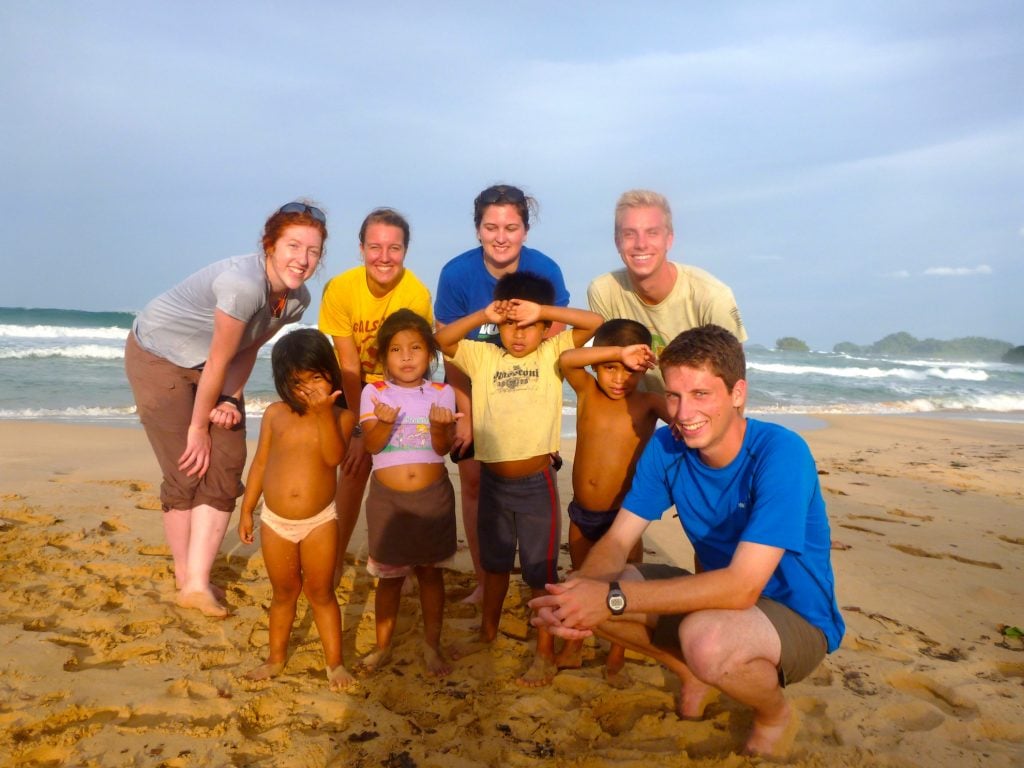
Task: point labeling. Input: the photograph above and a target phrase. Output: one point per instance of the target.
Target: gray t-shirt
(178, 325)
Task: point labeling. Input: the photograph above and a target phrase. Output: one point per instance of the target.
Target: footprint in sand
(918, 552)
(929, 690)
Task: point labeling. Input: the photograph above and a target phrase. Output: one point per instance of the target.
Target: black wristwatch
(616, 599)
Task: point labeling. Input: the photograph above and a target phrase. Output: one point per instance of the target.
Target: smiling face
(643, 238)
(383, 251)
(502, 234)
(294, 257)
(407, 359)
(519, 342)
(616, 381)
(704, 414)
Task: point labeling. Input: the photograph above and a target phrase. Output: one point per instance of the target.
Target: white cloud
(981, 269)
(899, 274)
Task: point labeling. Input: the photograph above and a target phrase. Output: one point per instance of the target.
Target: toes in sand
(437, 665)
(540, 673)
(339, 678)
(265, 671)
(373, 661)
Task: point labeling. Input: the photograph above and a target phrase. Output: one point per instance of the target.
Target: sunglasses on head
(316, 213)
(502, 194)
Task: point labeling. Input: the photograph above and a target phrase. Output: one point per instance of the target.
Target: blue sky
(850, 169)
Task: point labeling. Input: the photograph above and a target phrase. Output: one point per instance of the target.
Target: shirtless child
(614, 421)
(302, 441)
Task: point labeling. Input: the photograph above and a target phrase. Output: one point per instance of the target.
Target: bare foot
(617, 678)
(339, 679)
(265, 671)
(694, 699)
(204, 602)
(541, 672)
(373, 661)
(475, 597)
(774, 738)
(467, 648)
(437, 664)
(571, 655)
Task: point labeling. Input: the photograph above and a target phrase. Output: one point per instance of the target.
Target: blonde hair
(642, 198)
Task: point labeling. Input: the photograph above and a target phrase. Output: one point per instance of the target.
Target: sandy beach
(100, 668)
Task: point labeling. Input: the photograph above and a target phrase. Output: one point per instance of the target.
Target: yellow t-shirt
(697, 298)
(349, 309)
(517, 401)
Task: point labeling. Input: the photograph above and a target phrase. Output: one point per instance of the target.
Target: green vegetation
(902, 344)
(1015, 356)
(791, 344)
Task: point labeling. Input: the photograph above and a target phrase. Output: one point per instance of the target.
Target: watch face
(616, 602)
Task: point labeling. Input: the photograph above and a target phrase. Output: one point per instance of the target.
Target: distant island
(791, 344)
(903, 344)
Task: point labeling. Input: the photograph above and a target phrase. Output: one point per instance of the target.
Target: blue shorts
(523, 511)
(593, 525)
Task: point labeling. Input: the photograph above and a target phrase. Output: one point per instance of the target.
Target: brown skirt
(411, 527)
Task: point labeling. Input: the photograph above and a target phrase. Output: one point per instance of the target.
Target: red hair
(279, 222)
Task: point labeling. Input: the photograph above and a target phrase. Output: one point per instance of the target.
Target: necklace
(277, 305)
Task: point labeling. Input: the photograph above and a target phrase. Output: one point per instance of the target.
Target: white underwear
(296, 530)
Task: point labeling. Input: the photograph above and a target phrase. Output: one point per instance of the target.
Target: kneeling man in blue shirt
(759, 612)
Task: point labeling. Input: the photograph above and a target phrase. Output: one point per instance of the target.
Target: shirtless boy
(614, 421)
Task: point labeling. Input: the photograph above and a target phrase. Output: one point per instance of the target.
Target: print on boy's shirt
(516, 378)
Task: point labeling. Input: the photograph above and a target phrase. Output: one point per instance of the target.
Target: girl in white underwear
(408, 426)
(302, 441)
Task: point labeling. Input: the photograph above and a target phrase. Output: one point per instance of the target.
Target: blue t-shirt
(769, 494)
(465, 286)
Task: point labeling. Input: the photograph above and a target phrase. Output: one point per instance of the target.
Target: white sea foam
(76, 352)
(874, 372)
(78, 413)
(60, 332)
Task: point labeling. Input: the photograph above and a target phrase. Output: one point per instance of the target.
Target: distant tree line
(903, 344)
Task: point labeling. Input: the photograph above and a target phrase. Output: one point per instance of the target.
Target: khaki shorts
(164, 396)
(803, 644)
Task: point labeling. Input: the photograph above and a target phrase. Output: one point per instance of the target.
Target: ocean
(68, 366)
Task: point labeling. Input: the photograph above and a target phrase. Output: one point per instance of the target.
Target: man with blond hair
(665, 296)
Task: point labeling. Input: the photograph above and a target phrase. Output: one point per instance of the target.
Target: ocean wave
(993, 403)
(60, 332)
(75, 413)
(874, 372)
(76, 352)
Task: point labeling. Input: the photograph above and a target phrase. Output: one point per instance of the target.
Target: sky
(849, 169)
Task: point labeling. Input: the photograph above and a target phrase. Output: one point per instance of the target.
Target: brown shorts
(803, 644)
(164, 396)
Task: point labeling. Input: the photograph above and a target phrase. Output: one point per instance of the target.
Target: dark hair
(278, 222)
(504, 194)
(710, 346)
(405, 320)
(388, 216)
(525, 285)
(305, 349)
(622, 333)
